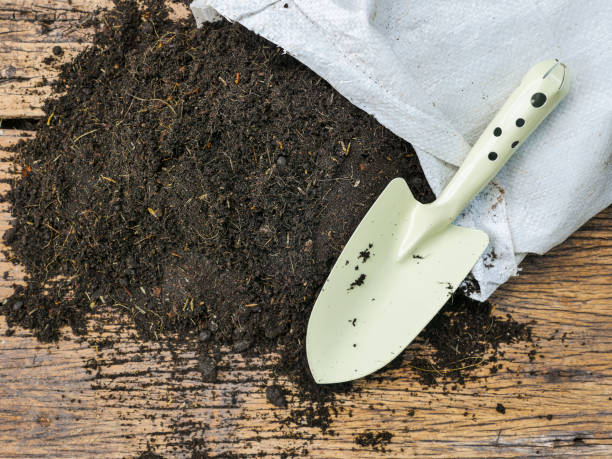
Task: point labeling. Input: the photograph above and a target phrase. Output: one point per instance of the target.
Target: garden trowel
(405, 259)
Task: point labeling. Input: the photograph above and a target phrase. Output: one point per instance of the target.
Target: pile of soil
(203, 182)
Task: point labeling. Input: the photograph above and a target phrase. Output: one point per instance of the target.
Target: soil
(377, 441)
(464, 336)
(276, 395)
(203, 183)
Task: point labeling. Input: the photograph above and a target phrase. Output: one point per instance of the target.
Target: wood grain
(69, 400)
(29, 29)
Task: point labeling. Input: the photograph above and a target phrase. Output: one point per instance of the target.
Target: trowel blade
(374, 304)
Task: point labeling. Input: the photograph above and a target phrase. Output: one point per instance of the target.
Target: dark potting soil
(204, 182)
(377, 441)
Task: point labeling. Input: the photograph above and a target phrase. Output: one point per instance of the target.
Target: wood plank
(8, 138)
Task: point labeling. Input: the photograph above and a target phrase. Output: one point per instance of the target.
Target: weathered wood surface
(54, 403)
(29, 29)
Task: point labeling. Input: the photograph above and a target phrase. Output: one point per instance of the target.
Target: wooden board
(54, 403)
(29, 29)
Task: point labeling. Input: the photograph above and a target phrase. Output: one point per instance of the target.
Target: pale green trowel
(409, 257)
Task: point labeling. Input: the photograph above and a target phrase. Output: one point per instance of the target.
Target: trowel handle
(541, 89)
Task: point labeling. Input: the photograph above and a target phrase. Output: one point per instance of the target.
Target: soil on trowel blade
(203, 182)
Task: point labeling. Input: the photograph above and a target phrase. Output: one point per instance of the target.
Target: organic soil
(377, 441)
(203, 182)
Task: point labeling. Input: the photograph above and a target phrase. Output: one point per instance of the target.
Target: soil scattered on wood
(365, 254)
(358, 282)
(377, 441)
(276, 395)
(199, 182)
(463, 337)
